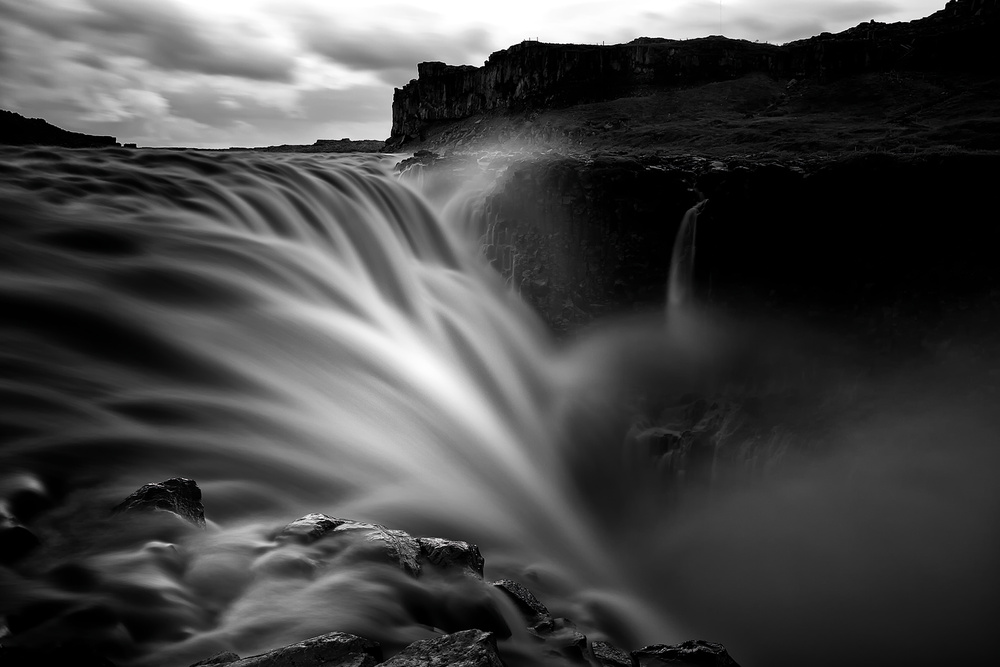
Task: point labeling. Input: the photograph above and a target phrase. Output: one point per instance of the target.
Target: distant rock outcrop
(534, 75)
(16, 130)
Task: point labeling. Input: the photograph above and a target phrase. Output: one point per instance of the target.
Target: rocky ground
(465, 639)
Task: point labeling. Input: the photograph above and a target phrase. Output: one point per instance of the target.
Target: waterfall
(307, 334)
(680, 285)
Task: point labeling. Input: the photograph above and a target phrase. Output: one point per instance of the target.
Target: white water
(305, 334)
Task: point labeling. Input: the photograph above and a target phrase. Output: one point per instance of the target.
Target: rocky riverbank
(468, 618)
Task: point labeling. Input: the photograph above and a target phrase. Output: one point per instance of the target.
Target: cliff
(16, 130)
(535, 75)
(863, 240)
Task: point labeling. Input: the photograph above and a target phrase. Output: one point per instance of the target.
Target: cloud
(171, 37)
(392, 49)
(164, 33)
(393, 58)
(858, 10)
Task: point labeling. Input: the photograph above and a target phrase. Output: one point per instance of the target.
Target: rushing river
(307, 333)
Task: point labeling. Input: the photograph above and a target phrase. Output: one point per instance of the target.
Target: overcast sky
(218, 73)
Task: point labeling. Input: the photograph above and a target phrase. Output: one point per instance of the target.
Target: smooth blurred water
(306, 333)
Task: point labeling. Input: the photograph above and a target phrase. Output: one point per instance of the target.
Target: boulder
(469, 648)
(177, 495)
(562, 639)
(559, 636)
(529, 606)
(336, 649)
(695, 653)
(450, 554)
(609, 655)
(410, 553)
(221, 658)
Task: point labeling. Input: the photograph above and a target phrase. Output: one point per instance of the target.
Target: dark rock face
(537, 75)
(579, 237)
(72, 628)
(696, 653)
(447, 554)
(529, 606)
(608, 655)
(410, 553)
(178, 495)
(336, 649)
(16, 130)
(469, 648)
(223, 658)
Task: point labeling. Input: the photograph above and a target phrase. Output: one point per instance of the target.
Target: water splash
(305, 334)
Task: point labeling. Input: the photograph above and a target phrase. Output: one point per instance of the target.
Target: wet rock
(223, 658)
(559, 635)
(695, 653)
(562, 639)
(452, 554)
(336, 649)
(309, 528)
(609, 655)
(177, 495)
(469, 648)
(410, 553)
(529, 606)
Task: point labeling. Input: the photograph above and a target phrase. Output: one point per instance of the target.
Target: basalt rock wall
(533, 75)
(873, 233)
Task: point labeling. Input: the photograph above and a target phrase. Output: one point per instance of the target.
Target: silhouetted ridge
(16, 130)
(536, 75)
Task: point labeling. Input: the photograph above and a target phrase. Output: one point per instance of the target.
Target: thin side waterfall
(680, 286)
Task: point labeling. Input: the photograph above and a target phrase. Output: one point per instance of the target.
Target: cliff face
(16, 130)
(533, 75)
(859, 236)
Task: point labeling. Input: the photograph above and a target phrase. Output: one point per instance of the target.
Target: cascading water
(305, 334)
(680, 286)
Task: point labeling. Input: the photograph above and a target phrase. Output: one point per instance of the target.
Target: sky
(220, 73)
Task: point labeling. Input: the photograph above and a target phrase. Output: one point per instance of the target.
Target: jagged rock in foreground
(336, 649)
(412, 554)
(469, 648)
(687, 654)
(177, 495)
(560, 637)
(223, 658)
(608, 655)
(455, 601)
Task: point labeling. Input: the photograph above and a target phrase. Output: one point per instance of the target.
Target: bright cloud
(259, 72)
